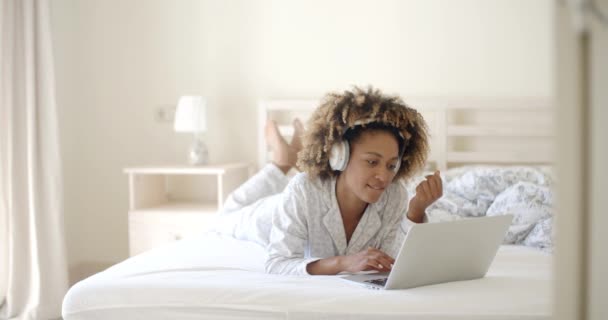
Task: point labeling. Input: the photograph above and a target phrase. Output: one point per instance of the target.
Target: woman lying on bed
(346, 210)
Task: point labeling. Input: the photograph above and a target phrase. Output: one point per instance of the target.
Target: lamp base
(199, 154)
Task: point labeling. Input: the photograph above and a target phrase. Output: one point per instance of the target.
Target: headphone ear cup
(338, 155)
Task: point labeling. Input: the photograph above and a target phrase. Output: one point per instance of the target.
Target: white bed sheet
(214, 277)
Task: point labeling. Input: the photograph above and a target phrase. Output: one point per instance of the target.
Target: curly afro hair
(338, 112)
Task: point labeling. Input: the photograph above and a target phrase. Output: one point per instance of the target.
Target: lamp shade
(191, 114)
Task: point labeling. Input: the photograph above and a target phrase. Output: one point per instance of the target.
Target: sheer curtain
(35, 280)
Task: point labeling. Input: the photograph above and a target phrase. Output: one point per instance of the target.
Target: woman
(346, 212)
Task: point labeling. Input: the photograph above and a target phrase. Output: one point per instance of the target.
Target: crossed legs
(247, 212)
(284, 155)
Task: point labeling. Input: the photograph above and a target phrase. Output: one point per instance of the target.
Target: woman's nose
(382, 175)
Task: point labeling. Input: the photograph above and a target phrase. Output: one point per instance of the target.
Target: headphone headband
(339, 153)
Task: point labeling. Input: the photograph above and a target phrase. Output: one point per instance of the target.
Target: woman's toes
(298, 131)
(280, 148)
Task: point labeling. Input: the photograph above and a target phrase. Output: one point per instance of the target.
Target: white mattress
(211, 277)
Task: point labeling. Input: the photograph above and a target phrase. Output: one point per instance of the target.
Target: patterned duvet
(524, 192)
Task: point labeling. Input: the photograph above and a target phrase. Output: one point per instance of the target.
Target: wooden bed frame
(464, 131)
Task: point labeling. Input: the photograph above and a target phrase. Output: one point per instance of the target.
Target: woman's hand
(427, 192)
(368, 259)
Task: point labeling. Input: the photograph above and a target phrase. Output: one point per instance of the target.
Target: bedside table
(168, 203)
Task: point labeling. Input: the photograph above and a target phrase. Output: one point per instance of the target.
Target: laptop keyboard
(380, 282)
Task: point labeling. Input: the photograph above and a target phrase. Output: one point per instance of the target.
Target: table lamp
(191, 116)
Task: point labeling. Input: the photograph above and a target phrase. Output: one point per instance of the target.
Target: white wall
(118, 61)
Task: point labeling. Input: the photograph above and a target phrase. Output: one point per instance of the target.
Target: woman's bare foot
(296, 140)
(283, 155)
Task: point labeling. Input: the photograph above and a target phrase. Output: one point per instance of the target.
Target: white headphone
(338, 155)
(340, 151)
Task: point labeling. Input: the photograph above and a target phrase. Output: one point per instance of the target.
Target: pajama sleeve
(289, 234)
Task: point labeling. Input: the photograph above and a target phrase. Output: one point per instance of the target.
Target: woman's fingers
(384, 259)
(373, 259)
(384, 263)
(435, 188)
(379, 264)
(370, 263)
(438, 175)
(378, 259)
(420, 190)
(431, 185)
(439, 183)
(427, 190)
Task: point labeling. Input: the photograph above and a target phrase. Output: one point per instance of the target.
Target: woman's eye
(392, 166)
(371, 162)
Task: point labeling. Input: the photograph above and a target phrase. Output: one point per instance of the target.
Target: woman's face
(372, 164)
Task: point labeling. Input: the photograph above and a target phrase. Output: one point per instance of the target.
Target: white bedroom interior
(118, 62)
(121, 66)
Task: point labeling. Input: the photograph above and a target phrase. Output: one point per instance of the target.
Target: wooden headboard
(464, 131)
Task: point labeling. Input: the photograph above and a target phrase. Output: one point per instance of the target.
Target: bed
(214, 277)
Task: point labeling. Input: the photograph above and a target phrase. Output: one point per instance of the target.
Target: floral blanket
(476, 191)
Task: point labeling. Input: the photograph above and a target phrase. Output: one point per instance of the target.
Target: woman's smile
(378, 188)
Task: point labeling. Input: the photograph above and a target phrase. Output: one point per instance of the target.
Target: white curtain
(31, 207)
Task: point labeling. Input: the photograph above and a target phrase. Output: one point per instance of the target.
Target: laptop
(441, 252)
